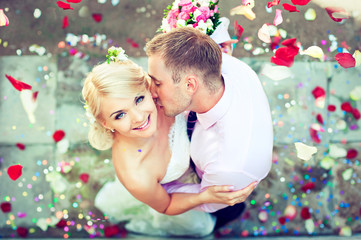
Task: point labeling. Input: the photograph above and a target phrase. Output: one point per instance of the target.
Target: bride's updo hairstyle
(122, 79)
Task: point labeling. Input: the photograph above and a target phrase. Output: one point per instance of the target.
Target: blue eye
(139, 99)
(119, 116)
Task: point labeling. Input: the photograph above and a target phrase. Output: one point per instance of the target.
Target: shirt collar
(209, 118)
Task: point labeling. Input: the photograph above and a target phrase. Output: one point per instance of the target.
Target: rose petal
(263, 34)
(346, 60)
(313, 51)
(346, 106)
(243, 10)
(18, 85)
(357, 56)
(64, 6)
(289, 7)
(290, 212)
(351, 153)
(238, 29)
(84, 177)
(356, 113)
(300, 2)
(337, 152)
(318, 92)
(304, 152)
(61, 223)
(308, 186)
(22, 232)
(73, 1)
(282, 220)
(305, 213)
(58, 135)
(4, 21)
(65, 22)
(15, 171)
(29, 104)
(314, 135)
(319, 118)
(5, 207)
(337, 14)
(98, 17)
(273, 3)
(331, 108)
(278, 17)
(21, 146)
(284, 56)
(111, 231)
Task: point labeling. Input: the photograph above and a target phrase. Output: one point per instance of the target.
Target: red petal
(305, 213)
(111, 231)
(18, 85)
(238, 29)
(273, 3)
(346, 60)
(15, 171)
(319, 118)
(20, 146)
(58, 135)
(351, 153)
(300, 2)
(65, 22)
(35, 95)
(314, 136)
(356, 113)
(23, 232)
(331, 108)
(98, 17)
(84, 177)
(5, 207)
(74, 1)
(64, 6)
(289, 7)
(331, 10)
(282, 220)
(308, 186)
(285, 56)
(318, 92)
(61, 223)
(346, 106)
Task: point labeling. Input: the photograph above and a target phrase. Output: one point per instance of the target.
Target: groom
(232, 139)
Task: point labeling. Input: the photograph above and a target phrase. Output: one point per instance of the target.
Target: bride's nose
(137, 116)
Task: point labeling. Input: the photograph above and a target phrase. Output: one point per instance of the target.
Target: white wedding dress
(118, 204)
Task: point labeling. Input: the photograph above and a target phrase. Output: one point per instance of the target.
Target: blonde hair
(116, 80)
(184, 49)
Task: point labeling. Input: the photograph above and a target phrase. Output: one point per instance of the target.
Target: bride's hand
(226, 47)
(225, 195)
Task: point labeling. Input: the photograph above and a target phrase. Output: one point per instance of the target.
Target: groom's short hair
(187, 49)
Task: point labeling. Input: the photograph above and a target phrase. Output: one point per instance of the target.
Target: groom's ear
(191, 84)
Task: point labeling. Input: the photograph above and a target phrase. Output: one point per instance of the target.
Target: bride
(148, 150)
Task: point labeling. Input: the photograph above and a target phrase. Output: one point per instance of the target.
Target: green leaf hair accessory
(90, 116)
(116, 54)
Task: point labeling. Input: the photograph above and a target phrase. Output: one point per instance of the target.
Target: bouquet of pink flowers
(199, 14)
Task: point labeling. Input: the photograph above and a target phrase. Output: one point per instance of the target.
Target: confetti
(304, 151)
(15, 171)
(64, 6)
(4, 21)
(18, 85)
(263, 216)
(289, 7)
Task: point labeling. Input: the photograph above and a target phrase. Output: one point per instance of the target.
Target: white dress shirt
(232, 142)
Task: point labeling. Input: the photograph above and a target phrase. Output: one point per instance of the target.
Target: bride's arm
(150, 192)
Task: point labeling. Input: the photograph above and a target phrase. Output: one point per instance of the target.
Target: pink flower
(185, 3)
(188, 8)
(183, 16)
(216, 9)
(206, 13)
(172, 18)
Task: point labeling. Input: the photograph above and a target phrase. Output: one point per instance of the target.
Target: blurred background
(316, 101)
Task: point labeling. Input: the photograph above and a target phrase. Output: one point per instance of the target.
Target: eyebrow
(135, 98)
(154, 78)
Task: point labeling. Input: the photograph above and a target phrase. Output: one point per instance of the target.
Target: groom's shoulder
(232, 64)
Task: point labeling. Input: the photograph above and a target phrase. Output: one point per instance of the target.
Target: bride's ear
(191, 84)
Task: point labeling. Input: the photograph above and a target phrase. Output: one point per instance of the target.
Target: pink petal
(273, 3)
(263, 34)
(346, 60)
(15, 171)
(318, 92)
(300, 2)
(238, 29)
(64, 6)
(65, 22)
(18, 85)
(74, 1)
(4, 21)
(337, 14)
(58, 135)
(289, 7)
(278, 17)
(21, 146)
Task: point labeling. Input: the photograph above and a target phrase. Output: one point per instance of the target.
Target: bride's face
(131, 117)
